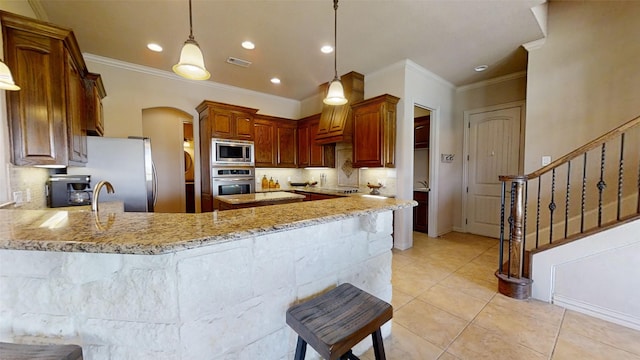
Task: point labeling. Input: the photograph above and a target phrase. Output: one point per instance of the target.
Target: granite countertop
(159, 233)
(258, 197)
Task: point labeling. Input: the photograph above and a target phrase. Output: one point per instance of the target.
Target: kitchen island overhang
(205, 292)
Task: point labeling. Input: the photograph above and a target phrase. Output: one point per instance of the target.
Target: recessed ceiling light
(248, 45)
(327, 49)
(275, 80)
(480, 68)
(154, 47)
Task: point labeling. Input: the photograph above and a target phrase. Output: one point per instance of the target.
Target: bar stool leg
(301, 349)
(378, 346)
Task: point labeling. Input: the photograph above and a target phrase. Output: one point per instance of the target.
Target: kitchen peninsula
(185, 286)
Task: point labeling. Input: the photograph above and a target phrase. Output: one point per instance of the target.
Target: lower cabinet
(421, 212)
(310, 196)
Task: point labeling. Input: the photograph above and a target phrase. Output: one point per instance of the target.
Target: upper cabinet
(421, 126)
(275, 142)
(228, 121)
(47, 117)
(374, 132)
(336, 121)
(310, 153)
(95, 114)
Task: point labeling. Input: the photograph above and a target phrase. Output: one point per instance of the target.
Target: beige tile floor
(446, 307)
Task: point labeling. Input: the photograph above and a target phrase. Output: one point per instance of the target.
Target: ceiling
(447, 37)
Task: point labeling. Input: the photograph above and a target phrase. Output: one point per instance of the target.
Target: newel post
(511, 280)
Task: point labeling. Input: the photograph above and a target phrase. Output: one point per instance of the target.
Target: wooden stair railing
(566, 217)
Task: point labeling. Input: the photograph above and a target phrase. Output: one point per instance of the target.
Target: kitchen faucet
(96, 193)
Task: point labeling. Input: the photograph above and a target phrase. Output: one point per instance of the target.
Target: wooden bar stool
(336, 321)
(9, 351)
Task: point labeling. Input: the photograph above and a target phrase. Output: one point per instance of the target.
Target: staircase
(593, 189)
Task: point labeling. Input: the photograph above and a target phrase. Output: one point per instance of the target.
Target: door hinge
(466, 221)
(467, 189)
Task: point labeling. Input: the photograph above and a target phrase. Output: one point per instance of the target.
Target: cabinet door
(243, 126)
(287, 146)
(264, 143)
(221, 124)
(421, 131)
(317, 151)
(368, 142)
(304, 140)
(95, 114)
(76, 115)
(35, 113)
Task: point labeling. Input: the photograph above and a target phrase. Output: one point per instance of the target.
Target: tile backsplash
(29, 180)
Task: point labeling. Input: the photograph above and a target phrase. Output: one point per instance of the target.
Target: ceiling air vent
(239, 62)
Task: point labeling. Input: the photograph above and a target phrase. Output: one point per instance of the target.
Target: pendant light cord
(335, 37)
(190, 22)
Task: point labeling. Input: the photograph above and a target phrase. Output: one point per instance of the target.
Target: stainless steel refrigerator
(127, 164)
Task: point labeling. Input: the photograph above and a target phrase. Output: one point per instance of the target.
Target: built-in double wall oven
(232, 180)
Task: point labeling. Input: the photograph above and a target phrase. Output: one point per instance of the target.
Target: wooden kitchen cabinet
(336, 121)
(228, 121)
(275, 141)
(421, 127)
(310, 153)
(374, 132)
(47, 117)
(95, 114)
(421, 212)
(76, 111)
(218, 120)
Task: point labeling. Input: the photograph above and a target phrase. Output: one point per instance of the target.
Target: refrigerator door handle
(155, 184)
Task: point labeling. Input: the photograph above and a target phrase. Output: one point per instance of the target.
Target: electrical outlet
(17, 197)
(546, 160)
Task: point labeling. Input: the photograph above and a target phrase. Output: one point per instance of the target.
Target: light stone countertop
(159, 233)
(259, 197)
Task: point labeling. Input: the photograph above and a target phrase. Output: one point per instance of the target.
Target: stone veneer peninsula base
(222, 301)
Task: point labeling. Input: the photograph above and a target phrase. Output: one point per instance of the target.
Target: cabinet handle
(419, 127)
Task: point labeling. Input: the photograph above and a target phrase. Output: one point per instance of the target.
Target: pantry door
(493, 150)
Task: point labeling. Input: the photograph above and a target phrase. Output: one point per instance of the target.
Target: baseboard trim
(597, 311)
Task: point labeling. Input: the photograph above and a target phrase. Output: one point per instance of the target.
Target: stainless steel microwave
(232, 152)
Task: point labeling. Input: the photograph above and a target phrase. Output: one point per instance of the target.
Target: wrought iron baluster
(584, 192)
(526, 205)
(601, 184)
(566, 202)
(538, 212)
(513, 193)
(552, 204)
(620, 176)
(501, 243)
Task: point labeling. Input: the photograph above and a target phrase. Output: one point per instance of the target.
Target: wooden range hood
(336, 123)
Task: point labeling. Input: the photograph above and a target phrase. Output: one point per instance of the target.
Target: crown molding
(535, 44)
(38, 10)
(494, 81)
(412, 65)
(172, 76)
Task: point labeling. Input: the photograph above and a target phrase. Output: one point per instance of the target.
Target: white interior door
(494, 150)
(165, 128)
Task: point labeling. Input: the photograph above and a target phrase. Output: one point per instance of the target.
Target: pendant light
(335, 94)
(6, 80)
(191, 64)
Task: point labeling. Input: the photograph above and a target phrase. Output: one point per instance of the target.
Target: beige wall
(585, 79)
